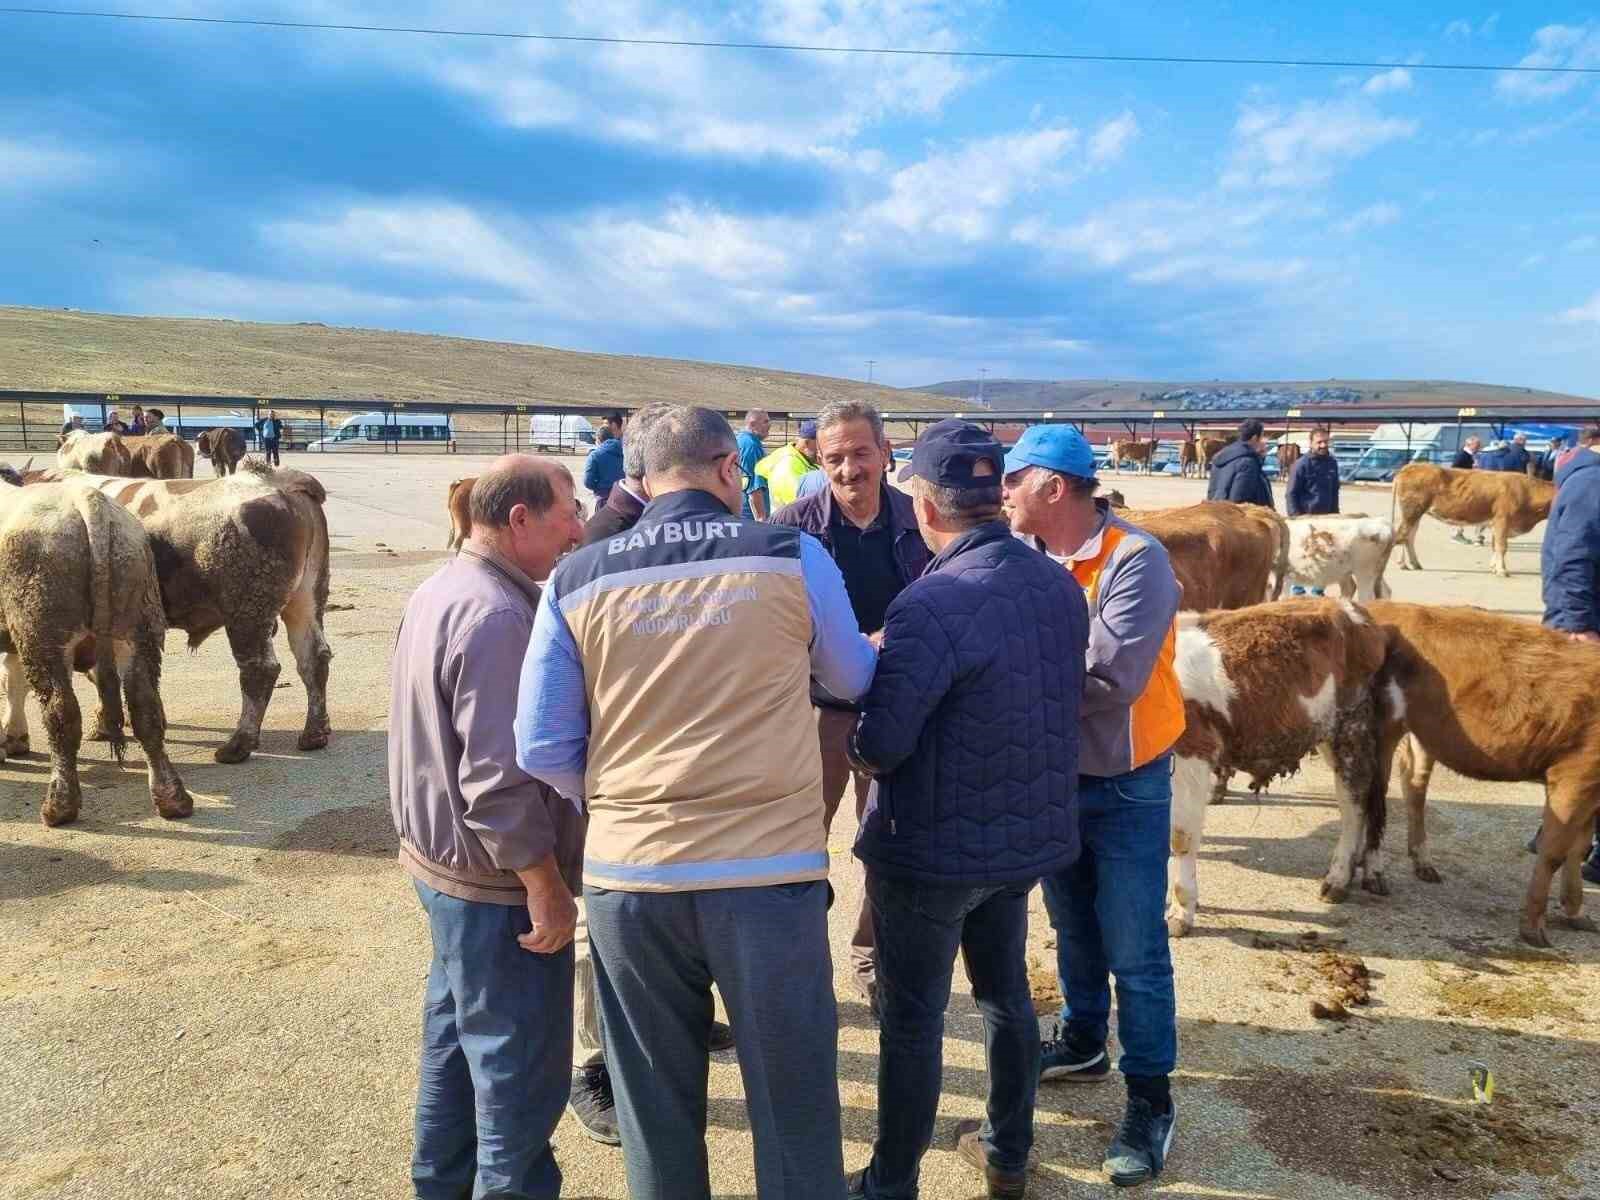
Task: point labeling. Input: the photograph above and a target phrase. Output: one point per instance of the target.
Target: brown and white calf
(1500, 699)
(1140, 454)
(1349, 551)
(1263, 687)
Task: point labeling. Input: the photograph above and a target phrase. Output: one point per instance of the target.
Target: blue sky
(812, 212)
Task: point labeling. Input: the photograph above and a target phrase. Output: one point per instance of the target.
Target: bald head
(515, 479)
(523, 509)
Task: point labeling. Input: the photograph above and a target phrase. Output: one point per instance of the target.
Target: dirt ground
(227, 1007)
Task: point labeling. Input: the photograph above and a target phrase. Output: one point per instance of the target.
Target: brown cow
(1133, 452)
(1496, 698)
(1225, 555)
(1209, 449)
(1288, 455)
(224, 447)
(457, 504)
(238, 554)
(78, 588)
(100, 453)
(160, 456)
(1511, 504)
(1263, 687)
(1189, 458)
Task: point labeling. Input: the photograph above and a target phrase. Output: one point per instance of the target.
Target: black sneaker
(1065, 1057)
(1139, 1151)
(721, 1037)
(1533, 843)
(593, 1105)
(855, 1185)
(1591, 866)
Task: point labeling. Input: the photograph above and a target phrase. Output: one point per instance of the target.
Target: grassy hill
(78, 351)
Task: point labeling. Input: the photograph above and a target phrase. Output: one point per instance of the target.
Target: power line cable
(787, 47)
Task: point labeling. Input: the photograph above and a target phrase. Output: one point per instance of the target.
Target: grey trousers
(655, 956)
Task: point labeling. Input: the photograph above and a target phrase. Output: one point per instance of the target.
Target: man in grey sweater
(494, 854)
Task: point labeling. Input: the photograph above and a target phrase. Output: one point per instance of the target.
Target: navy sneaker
(721, 1038)
(593, 1104)
(1066, 1057)
(1139, 1151)
(855, 1185)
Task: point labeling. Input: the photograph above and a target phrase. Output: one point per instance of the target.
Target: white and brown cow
(1510, 504)
(237, 554)
(1500, 699)
(1263, 687)
(224, 447)
(1351, 551)
(1189, 458)
(1225, 555)
(78, 589)
(1140, 454)
(98, 453)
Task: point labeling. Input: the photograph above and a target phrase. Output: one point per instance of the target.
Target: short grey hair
(964, 508)
(686, 438)
(1077, 485)
(633, 441)
(840, 412)
(756, 414)
(497, 492)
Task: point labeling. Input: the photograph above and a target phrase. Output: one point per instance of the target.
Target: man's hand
(876, 639)
(1588, 635)
(551, 909)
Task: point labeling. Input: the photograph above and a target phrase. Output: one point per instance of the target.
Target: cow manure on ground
(1336, 981)
(1373, 1131)
(342, 841)
(1501, 998)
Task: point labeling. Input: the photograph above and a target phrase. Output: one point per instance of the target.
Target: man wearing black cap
(971, 733)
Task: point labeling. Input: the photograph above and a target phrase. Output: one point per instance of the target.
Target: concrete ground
(227, 1007)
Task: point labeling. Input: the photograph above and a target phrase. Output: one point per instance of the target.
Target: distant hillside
(78, 351)
(1039, 395)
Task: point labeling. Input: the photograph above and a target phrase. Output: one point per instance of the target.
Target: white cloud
(1397, 80)
(1374, 216)
(26, 167)
(194, 292)
(960, 193)
(1223, 270)
(1461, 30)
(1535, 259)
(1583, 314)
(1112, 138)
(1554, 46)
(1458, 30)
(1582, 245)
(1274, 148)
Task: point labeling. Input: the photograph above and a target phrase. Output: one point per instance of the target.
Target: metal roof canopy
(1311, 414)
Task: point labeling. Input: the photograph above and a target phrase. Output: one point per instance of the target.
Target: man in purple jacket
(494, 854)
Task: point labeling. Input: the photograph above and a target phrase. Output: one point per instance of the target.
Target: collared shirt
(866, 560)
(751, 451)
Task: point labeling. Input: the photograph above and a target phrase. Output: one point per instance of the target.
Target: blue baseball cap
(1054, 447)
(808, 428)
(948, 454)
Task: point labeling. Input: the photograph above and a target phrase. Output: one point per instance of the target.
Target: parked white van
(547, 431)
(376, 428)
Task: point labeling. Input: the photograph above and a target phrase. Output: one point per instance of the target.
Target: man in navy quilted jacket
(971, 734)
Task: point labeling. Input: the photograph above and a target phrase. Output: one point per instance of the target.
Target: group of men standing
(693, 693)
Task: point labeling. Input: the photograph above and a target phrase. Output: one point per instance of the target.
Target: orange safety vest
(1155, 720)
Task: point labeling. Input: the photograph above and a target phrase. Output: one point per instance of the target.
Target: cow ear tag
(1482, 1084)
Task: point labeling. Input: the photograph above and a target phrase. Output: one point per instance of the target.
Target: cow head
(9, 474)
(204, 443)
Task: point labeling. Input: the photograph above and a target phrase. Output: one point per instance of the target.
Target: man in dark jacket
(1570, 564)
(1314, 481)
(603, 468)
(870, 531)
(1236, 472)
(1466, 457)
(971, 731)
(1517, 456)
(627, 499)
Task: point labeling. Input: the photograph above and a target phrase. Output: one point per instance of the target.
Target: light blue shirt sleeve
(842, 660)
(552, 721)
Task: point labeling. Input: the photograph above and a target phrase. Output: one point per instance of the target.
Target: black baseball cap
(948, 453)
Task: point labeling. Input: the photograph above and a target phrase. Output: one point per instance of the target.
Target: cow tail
(95, 510)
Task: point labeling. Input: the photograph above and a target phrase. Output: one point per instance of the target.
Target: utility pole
(983, 373)
(871, 362)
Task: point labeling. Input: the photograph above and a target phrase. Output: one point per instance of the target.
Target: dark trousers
(833, 732)
(656, 955)
(496, 1056)
(1109, 913)
(270, 449)
(919, 929)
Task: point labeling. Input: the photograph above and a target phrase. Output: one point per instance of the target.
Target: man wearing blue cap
(1108, 906)
(970, 730)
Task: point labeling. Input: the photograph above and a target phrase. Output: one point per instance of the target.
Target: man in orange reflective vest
(1108, 908)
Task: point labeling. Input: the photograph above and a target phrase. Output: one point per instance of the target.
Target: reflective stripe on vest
(1155, 719)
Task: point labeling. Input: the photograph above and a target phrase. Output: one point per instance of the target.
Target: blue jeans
(496, 1056)
(918, 930)
(1109, 913)
(656, 955)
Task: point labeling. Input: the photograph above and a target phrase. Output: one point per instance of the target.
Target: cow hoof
(1334, 893)
(14, 745)
(313, 741)
(234, 750)
(1581, 923)
(1534, 936)
(1427, 872)
(1178, 925)
(1377, 883)
(101, 735)
(175, 806)
(60, 806)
